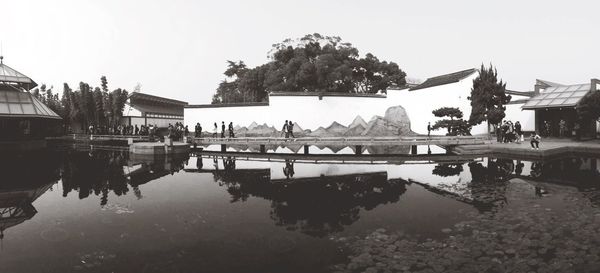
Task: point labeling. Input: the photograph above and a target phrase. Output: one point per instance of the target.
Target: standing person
(291, 129)
(534, 140)
(186, 131)
(428, 129)
(562, 127)
(231, 135)
(215, 131)
(576, 129)
(222, 129)
(284, 130)
(137, 130)
(547, 128)
(518, 131)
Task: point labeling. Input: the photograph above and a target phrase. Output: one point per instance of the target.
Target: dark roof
(152, 98)
(445, 79)
(324, 94)
(227, 105)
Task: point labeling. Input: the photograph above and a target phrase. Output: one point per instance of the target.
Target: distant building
(145, 109)
(24, 120)
(553, 102)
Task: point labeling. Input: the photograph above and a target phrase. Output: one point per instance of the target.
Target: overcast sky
(179, 49)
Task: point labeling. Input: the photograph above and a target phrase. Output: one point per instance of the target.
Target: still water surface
(107, 211)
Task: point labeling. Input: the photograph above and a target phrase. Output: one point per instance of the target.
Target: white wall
(241, 115)
(514, 113)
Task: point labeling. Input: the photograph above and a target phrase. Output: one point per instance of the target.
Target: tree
(455, 125)
(313, 63)
(589, 107)
(488, 97)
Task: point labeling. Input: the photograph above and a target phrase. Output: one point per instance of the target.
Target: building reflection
(316, 206)
(20, 186)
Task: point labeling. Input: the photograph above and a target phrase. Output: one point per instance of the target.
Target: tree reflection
(448, 169)
(316, 206)
(101, 172)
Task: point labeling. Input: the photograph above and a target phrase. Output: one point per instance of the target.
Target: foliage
(86, 106)
(589, 107)
(451, 112)
(488, 97)
(447, 169)
(313, 63)
(454, 126)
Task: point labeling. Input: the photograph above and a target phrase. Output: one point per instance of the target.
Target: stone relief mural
(395, 122)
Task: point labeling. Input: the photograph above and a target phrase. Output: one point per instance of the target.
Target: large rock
(355, 131)
(394, 123)
(320, 132)
(262, 130)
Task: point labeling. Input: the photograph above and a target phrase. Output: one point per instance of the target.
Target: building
(320, 110)
(145, 109)
(24, 120)
(554, 102)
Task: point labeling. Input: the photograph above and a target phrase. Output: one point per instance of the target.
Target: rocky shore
(557, 231)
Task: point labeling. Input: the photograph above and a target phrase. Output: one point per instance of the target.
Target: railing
(101, 137)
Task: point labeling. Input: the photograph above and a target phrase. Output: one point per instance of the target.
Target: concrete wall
(239, 115)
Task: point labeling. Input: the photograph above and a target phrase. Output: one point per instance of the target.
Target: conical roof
(23, 104)
(9, 75)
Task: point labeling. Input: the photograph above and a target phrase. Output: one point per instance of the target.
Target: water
(107, 211)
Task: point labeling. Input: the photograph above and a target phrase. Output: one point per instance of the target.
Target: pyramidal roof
(9, 75)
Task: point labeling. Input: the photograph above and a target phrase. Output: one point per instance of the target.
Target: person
(547, 128)
(562, 127)
(518, 131)
(137, 130)
(284, 130)
(91, 129)
(534, 140)
(186, 131)
(291, 129)
(222, 129)
(197, 130)
(428, 129)
(231, 135)
(215, 131)
(576, 129)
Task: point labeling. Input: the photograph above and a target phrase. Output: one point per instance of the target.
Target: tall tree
(589, 107)
(488, 98)
(313, 63)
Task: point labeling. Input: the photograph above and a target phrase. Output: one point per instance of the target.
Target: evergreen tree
(488, 97)
(455, 125)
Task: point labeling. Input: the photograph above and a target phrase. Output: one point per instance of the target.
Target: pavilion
(554, 102)
(23, 118)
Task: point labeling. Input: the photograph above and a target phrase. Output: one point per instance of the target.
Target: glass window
(552, 95)
(545, 102)
(4, 108)
(12, 96)
(580, 93)
(565, 95)
(2, 96)
(573, 87)
(28, 109)
(571, 101)
(15, 108)
(24, 97)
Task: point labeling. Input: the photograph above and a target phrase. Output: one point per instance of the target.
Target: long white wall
(310, 112)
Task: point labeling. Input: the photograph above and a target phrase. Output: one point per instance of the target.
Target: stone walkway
(548, 148)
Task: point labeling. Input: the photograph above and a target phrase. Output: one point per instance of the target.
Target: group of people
(124, 130)
(177, 131)
(215, 131)
(509, 132)
(288, 129)
(563, 129)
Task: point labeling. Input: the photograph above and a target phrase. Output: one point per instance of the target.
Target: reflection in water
(21, 186)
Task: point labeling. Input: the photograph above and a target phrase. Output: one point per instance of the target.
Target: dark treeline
(85, 106)
(313, 63)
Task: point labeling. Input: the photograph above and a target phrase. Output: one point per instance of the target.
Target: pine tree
(488, 97)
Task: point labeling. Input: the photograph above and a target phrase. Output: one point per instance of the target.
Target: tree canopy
(313, 63)
(455, 125)
(589, 106)
(488, 97)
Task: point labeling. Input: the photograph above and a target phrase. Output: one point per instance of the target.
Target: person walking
(534, 140)
(231, 135)
(222, 129)
(215, 131)
(284, 130)
(291, 129)
(428, 129)
(518, 131)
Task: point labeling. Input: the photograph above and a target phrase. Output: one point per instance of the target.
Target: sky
(179, 49)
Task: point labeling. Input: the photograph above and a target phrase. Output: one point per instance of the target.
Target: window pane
(28, 109)
(565, 95)
(15, 108)
(570, 101)
(4, 108)
(552, 95)
(24, 97)
(12, 96)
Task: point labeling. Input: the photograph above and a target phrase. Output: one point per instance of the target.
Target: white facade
(312, 112)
